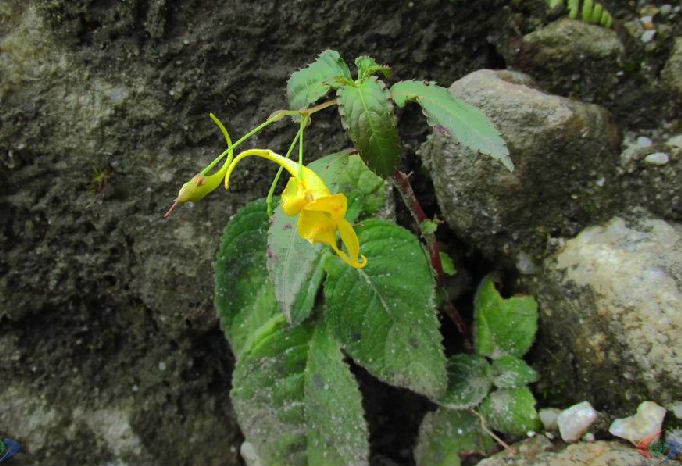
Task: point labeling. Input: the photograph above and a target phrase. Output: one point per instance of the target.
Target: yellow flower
(321, 213)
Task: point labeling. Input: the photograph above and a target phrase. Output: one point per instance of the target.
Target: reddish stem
(402, 182)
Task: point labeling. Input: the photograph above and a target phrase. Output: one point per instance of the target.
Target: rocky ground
(111, 349)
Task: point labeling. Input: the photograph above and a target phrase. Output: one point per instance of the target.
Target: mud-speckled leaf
(297, 401)
(469, 380)
(463, 121)
(512, 411)
(446, 434)
(295, 264)
(309, 84)
(503, 326)
(244, 297)
(384, 314)
(367, 67)
(367, 114)
(512, 372)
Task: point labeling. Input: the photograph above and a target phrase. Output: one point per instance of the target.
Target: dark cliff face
(111, 351)
(107, 331)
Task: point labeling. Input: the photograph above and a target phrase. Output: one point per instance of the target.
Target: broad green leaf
(297, 401)
(503, 326)
(295, 264)
(367, 114)
(309, 84)
(464, 122)
(469, 380)
(446, 434)
(244, 297)
(367, 67)
(512, 372)
(512, 411)
(384, 314)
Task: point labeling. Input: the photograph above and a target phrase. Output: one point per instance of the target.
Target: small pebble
(657, 158)
(574, 421)
(644, 141)
(646, 422)
(548, 417)
(588, 437)
(648, 35)
(162, 366)
(675, 141)
(666, 9)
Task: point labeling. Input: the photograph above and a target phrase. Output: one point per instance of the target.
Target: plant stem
(402, 182)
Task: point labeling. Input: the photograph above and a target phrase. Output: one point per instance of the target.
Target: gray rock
(672, 72)
(539, 451)
(611, 315)
(564, 152)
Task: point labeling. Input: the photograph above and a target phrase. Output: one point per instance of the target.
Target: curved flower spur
(321, 213)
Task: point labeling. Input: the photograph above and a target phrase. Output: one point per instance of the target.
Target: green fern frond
(591, 12)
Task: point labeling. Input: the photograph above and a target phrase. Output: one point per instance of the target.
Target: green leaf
(297, 401)
(447, 263)
(367, 114)
(464, 122)
(308, 85)
(244, 297)
(446, 434)
(367, 67)
(512, 411)
(503, 326)
(428, 226)
(469, 380)
(295, 264)
(384, 314)
(512, 372)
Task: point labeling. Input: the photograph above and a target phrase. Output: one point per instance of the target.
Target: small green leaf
(367, 114)
(446, 434)
(464, 122)
(503, 326)
(297, 401)
(512, 372)
(512, 411)
(294, 264)
(244, 297)
(308, 85)
(447, 263)
(367, 67)
(469, 380)
(428, 226)
(384, 315)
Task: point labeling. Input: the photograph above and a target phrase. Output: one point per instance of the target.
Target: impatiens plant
(313, 276)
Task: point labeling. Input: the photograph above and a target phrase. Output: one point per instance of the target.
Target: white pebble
(525, 264)
(646, 422)
(588, 437)
(648, 35)
(676, 409)
(162, 366)
(666, 9)
(548, 417)
(249, 454)
(644, 141)
(646, 19)
(574, 421)
(675, 141)
(657, 158)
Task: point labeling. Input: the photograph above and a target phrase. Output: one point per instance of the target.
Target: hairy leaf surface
(294, 264)
(503, 326)
(469, 380)
(512, 411)
(463, 121)
(384, 314)
(244, 297)
(512, 372)
(367, 114)
(446, 434)
(309, 84)
(297, 401)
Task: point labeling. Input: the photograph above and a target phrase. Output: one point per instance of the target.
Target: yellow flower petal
(317, 227)
(350, 240)
(293, 197)
(336, 205)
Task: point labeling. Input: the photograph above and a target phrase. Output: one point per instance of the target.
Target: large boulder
(610, 305)
(565, 155)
